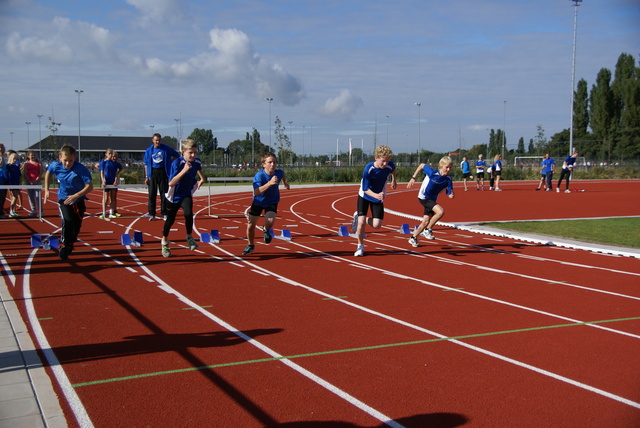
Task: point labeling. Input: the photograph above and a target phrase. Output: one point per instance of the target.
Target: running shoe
(360, 251)
(192, 243)
(117, 214)
(113, 216)
(64, 253)
(152, 218)
(427, 233)
(497, 189)
(166, 251)
(248, 250)
(354, 224)
(414, 241)
(567, 191)
(267, 235)
(33, 214)
(14, 215)
(557, 189)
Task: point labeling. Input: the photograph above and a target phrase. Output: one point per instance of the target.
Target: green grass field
(614, 231)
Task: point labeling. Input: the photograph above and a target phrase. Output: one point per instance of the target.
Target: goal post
(528, 161)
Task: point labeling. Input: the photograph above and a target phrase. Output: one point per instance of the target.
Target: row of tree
(606, 127)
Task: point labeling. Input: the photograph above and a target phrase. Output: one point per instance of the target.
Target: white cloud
(157, 11)
(62, 41)
(232, 60)
(343, 106)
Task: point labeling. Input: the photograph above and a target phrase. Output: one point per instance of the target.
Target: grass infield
(613, 231)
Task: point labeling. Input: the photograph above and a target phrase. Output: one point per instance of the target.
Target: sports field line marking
(80, 413)
(7, 269)
(306, 373)
(346, 350)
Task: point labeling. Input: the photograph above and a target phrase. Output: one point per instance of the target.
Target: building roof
(94, 144)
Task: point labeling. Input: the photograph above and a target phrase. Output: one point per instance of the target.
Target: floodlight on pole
(573, 69)
(79, 91)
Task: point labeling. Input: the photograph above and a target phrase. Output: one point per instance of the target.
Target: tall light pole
(269, 99)
(303, 129)
(504, 130)
(40, 137)
(152, 126)
(79, 91)
(290, 142)
(11, 140)
(573, 70)
(28, 142)
(387, 130)
(419, 146)
(177, 133)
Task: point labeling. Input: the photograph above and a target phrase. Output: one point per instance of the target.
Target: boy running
(184, 179)
(74, 184)
(373, 189)
(266, 196)
(435, 181)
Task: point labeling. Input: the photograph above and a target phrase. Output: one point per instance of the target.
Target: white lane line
(79, 412)
(309, 375)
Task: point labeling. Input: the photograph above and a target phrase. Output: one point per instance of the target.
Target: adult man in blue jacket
(157, 164)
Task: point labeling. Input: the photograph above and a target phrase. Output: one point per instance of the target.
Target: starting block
(213, 237)
(47, 243)
(404, 229)
(344, 232)
(285, 235)
(138, 240)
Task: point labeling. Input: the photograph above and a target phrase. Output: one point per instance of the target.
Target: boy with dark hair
(74, 184)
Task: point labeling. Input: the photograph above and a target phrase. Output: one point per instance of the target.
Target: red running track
(466, 330)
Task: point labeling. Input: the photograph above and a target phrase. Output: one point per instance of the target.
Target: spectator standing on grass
(373, 189)
(548, 165)
(157, 165)
(435, 181)
(266, 196)
(567, 169)
(185, 178)
(32, 172)
(74, 184)
(466, 172)
(481, 164)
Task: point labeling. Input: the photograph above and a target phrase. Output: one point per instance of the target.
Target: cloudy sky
(336, 69)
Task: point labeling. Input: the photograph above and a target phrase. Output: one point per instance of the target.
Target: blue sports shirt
(375, 179)
(72, 180)
(272, 194)
(434, 183)
(187, 184)
(480, 165)
(109, 168)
